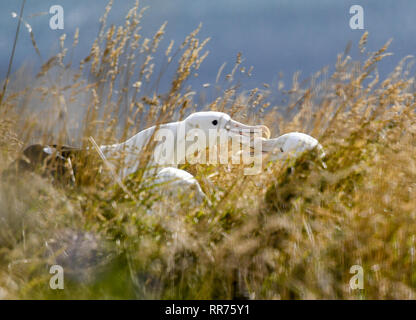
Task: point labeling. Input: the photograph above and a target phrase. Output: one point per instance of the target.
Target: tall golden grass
(292, 232)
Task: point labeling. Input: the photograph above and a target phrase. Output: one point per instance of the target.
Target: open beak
(236, 128)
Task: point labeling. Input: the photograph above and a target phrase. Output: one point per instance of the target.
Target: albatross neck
(130, 149)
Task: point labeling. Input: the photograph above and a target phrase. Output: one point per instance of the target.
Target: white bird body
(163, 165)
(179, 183)
(290, 145)
(285, 147)
(131, 149)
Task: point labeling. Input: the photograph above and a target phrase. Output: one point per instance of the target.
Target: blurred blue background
(273, 35)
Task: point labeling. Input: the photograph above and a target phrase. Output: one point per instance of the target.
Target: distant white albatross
(178, 140)
(179, 143)
(290, 145)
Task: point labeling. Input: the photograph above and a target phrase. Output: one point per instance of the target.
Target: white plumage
(290, 145)
(165, 170)
(179, 183)
(286, 147)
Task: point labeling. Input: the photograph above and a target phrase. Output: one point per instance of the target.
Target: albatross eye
(214, 122)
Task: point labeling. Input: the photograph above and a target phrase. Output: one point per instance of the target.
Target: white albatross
(182, 145)
(177, 183)
(287, 147)
(290, 145)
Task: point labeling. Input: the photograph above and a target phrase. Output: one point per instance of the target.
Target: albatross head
(219, 121)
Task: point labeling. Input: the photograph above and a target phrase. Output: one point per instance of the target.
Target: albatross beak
(236, 128)
(270, 146)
